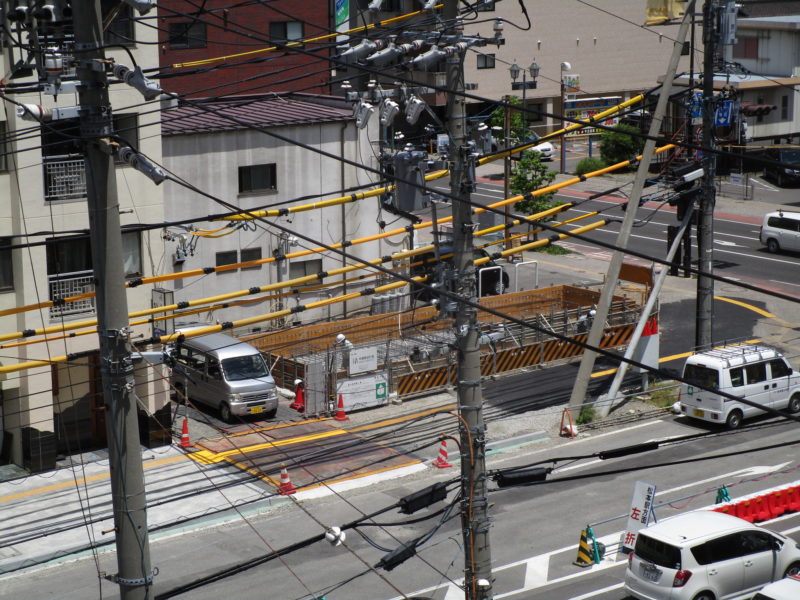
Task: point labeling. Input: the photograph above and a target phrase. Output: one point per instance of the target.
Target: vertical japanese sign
(342, 18)
(644, 495)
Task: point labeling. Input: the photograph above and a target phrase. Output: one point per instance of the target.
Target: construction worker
(342, 347)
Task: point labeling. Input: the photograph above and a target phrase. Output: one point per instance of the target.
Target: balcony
(64, 177)
(65, 285)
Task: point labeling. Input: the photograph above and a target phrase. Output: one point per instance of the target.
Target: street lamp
(565, 66)
(523, 85)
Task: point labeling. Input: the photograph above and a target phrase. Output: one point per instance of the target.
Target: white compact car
(785, 589)
(705, 555)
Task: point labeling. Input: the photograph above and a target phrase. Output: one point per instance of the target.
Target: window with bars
(281, 32)
(6, 266)
(251, 254)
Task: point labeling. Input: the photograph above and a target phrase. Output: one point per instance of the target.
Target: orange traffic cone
(185, 443)
(340, 416)
(441, 460)
(299, 403)
(286, 487)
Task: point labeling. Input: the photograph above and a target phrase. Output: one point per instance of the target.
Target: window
(6, 266)
(779, 368)
(756, 372)
(251, 254)
(784, 107)
(126, 126)
(696, 374)
(257, 178)
(281, 32)
(737, 377)
(485, 5)
(227, 257)
(120, 29)
(75, 255)
(3, 147)
(486, 61)
(746, 47)
(187, 34)
(303, 268)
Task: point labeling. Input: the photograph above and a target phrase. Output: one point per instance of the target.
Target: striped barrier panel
(511, 359)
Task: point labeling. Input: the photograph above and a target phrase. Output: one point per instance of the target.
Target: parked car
(787, 588)
(226, 374)
(787, 173)
(781, 231)
(492, 278)
(545, 149)
(756, 372)
(705, 555)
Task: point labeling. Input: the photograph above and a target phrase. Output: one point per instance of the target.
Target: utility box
(409, 171)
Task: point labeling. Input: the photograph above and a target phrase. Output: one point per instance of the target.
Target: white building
(59, 408)
(226, 150)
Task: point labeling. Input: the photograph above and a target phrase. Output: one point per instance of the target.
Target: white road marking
(784, 282)
(588, 595)
(536, 571)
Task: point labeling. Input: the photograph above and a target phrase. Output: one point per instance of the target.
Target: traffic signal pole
(474, 503)
(705, 219)
(125, 457)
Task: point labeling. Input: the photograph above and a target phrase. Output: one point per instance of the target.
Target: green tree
(527, 175)
(517, 127)
(618, 144)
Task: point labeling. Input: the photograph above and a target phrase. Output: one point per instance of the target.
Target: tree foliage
(518, 131)
(618, 144)
(530, 174)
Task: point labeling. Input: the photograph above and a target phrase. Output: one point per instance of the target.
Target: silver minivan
(706, 555)
(781, 231)
(226, 374)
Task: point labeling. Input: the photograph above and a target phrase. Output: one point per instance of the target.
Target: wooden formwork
(318, 337)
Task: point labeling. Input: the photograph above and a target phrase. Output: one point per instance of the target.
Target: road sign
(723, 117)
(644, 495)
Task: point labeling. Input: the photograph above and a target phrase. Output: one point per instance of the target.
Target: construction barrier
(764, 507)
(584, 559)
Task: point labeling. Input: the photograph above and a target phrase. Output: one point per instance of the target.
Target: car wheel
(794, 404)
(225, 412)
(734, 419)
(704, 596)
(793, 569)
(772, 245)
(270, 414)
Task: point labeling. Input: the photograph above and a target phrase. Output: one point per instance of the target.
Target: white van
(755, 372)
(224, 373)
(781, 231)
(706, 555)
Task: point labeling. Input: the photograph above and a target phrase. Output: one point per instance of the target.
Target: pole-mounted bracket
(133, 582)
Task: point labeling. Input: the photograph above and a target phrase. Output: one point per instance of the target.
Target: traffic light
(756, 110)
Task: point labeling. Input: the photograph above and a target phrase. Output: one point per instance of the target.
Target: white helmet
(340, 338)
(592, 312)
(298, 381)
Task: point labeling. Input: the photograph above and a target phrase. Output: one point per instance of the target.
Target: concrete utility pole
(705, 217)
(507, 170)
(474, 503)
(606, 296)
(127, 476)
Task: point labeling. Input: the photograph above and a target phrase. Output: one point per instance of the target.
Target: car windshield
(700, 375)
(238, 368)
(657, 552)
(790, 156)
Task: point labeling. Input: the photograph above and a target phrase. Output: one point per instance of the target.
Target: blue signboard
(723, 117)
(696, 106)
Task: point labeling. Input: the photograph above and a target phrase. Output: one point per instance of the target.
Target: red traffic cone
(340, 416)
(185, 443)
(441, 460)
(299, 403)
(286, 487)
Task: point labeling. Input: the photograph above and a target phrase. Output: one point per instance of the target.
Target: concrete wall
(211, 161)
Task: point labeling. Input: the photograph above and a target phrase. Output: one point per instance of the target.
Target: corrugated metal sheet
(243, 113)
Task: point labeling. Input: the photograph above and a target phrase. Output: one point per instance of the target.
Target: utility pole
(705, 218)
(127, 476)
(578, 396)
(507, 170)
(474, 502)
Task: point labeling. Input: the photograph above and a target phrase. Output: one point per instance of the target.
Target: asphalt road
(534, 536)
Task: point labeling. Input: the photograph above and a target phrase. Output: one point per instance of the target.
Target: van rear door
(699, 401)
